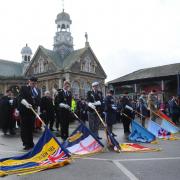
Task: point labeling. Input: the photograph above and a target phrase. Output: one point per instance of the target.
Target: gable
(44, 61)
(87, 63)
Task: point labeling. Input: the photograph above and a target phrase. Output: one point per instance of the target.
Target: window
(86, 88)
(75, 89)
(87, 65)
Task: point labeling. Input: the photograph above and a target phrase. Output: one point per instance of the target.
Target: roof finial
(63, 5)
(86, 43)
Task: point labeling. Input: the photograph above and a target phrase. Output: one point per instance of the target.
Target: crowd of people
(57, 112)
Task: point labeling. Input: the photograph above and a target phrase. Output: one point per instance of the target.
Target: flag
(48, 153)
(132, 147)
(159, 131)
(82, 142)
(140, 134)
(169, 126)
(112, 142)
(164, 116)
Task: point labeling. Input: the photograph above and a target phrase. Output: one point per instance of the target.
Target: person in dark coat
(143, 109)
(63, 106)
(7, 113)
(95, 100)
(174, 109)
(47, 110)
(28, 99)
(83, 110)
(110, 110)
(127, 114)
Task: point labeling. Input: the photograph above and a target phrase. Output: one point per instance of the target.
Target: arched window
(25, 58)
(86, 88)
(75, 89)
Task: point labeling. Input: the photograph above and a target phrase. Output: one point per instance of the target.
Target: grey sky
(126, 35)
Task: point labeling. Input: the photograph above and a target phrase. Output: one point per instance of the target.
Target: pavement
(160, 165)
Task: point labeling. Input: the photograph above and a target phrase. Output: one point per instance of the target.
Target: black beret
(34, 79)
(111, 91)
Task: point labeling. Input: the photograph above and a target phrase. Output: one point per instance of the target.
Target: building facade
(163, 79)
(81, 67)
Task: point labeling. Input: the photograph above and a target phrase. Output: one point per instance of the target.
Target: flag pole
(37, 115)
(106, 130)
(131, 109)
(100, 118)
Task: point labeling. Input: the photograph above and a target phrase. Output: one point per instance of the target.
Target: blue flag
(48, 153)
(82, 142)
(169, 126)
(140, 134)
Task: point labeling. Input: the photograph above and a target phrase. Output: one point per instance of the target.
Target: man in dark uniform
(27, 100)
(127, 114)
(47, 110)
(110, 110)
(94, 99)
(83, 110)
(63, 106)
(7, 108)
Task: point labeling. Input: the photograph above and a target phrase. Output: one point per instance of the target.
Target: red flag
(164, 116)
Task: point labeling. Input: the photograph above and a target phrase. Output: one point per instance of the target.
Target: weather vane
(86, 36)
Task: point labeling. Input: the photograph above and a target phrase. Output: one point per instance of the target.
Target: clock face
(62, 38)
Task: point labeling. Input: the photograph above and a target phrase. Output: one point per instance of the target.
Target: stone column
(60, 83)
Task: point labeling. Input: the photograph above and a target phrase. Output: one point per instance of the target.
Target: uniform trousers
(27, 126)
(93, 122)
(64, 123)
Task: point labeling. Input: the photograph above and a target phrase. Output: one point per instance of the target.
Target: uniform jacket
(63, 98)
(110, 112)
(26, 93)
(93, 97)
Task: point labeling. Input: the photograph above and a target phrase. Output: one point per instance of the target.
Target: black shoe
(12, 132)
(27, 148)
(114, 135)
(52, 129)
(99, 138)
(5, 132)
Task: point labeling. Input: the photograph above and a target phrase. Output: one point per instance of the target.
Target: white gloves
(91, 105)
(62, 105)
(114, 107)
(97, 103)
(25, 103)
(128, 107)
(16, 113)
(11, 101)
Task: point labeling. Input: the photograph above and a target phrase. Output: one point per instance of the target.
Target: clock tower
(63, 41)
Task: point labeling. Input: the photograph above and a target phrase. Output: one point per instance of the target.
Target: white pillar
(162, 85)
(60, 83)
(135, 88)
(46, 83)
